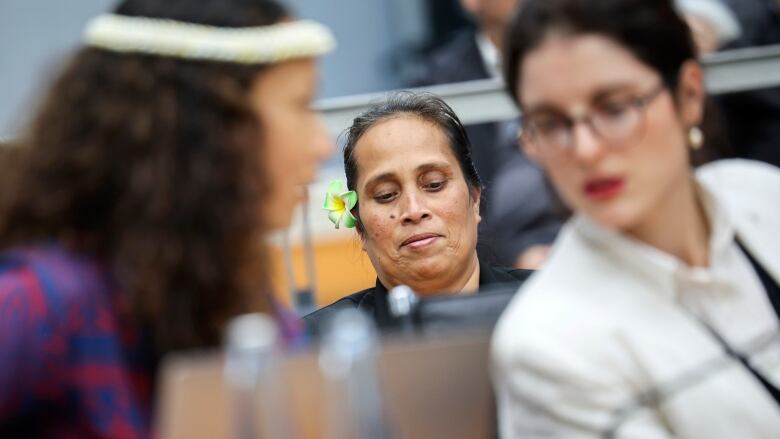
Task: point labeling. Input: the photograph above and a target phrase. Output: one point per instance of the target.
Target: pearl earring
(695, 138)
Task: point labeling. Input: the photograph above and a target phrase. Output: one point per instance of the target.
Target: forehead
(275, 81)
(399, 145)
(565, 70)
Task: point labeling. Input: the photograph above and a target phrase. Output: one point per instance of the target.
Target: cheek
(377, 227)
(564, 176)
(288, 153)
(458, 215)
(278, 168)
(663, 151)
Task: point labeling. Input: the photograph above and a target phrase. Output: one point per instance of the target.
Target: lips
(602, 189)
(420, 240)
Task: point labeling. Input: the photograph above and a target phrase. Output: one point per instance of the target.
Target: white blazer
(610, 337)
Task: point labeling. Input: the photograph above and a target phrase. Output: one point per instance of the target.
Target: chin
(429, 271)
(619, 218)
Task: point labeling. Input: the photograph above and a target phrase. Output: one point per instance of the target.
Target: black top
(373, 301)
(771, 287)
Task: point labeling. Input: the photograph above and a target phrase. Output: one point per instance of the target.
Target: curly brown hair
(152, 164)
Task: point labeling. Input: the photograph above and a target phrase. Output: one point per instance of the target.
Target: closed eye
(385, 197)
(435, 186)
(614, 108)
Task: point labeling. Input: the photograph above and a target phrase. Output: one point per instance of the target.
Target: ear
(476, 197)
(691, 94)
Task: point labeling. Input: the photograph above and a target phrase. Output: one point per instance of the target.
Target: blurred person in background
(473, 54)
(713, 24)
(525, 213)
(759, 20)
(133, 216)
(752, 117)
(656, 314)
(408, 158)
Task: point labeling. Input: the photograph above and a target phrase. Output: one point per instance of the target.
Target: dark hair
(650, 29)
(426, 106)
(151, 164)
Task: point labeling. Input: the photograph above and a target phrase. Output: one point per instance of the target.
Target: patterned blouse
(70, 365)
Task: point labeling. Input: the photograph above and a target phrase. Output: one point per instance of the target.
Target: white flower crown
(247, 45)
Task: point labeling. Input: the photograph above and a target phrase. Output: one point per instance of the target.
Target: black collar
(487, 275)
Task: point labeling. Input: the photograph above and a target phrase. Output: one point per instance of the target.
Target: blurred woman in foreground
(132, 219)
(657, 312)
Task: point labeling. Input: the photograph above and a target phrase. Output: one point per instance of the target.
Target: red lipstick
(602, 189)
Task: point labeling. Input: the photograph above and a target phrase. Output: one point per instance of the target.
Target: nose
(588, 146)
(414, 209)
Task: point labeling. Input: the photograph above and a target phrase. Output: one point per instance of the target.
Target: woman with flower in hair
(413, 195)
(132, 220)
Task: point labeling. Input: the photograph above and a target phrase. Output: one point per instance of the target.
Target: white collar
(659, 266)
(490, 56)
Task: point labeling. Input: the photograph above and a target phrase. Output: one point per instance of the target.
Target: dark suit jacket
(527, 211)
(461, 61)
(373, 301)
(752, 117)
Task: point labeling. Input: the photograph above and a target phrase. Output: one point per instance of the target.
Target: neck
(471, 284)
(679, 227)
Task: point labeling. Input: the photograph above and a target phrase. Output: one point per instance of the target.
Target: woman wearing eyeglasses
(657, 312)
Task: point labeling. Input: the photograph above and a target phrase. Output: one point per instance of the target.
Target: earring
(695, 138)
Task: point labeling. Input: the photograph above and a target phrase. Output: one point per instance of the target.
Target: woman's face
(618, 183)
(419, 216)
(294, 141)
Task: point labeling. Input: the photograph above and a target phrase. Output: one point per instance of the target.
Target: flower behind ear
(339, 202)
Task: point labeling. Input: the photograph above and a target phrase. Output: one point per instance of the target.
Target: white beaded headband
(245, 45)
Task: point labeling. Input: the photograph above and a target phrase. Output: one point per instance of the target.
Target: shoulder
(48, 296)
(458, 60)
(506, 274)
(550, 346)
(316, 321)
(561, 304)
(52, 275)
(743, 186)
(47, 293)
(739, 174)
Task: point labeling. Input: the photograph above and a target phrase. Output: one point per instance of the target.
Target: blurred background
(391, 44)
(379, 41)
(382, 45)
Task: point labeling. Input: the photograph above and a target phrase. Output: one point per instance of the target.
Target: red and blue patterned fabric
(71, 364)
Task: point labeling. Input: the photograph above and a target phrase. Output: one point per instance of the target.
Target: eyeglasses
(614, 120)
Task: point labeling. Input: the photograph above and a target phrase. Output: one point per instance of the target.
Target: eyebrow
(600, 93)
(425, 167)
